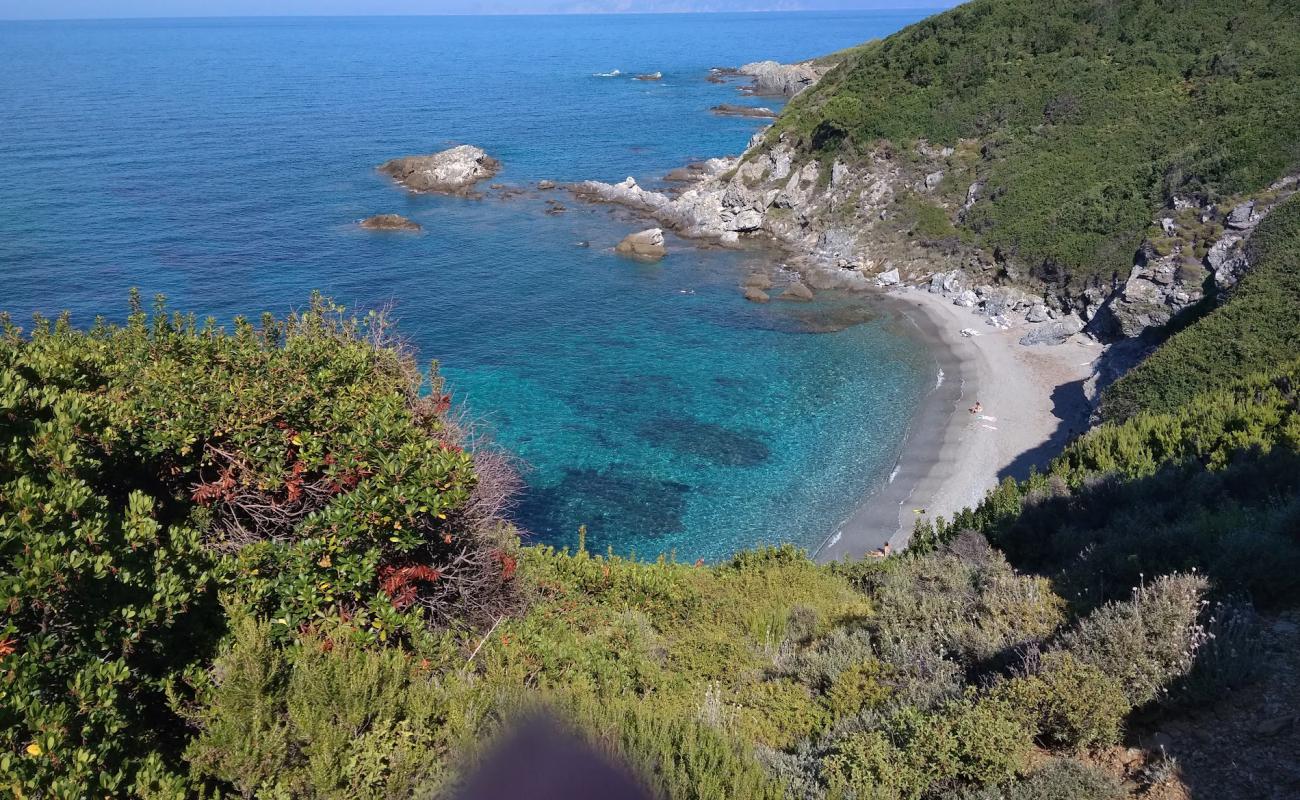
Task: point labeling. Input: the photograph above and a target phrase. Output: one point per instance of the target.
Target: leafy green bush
(973, 611)
(327, 717)
(970, 740)
(144, 468)
(1060, 779)
(1071, 704)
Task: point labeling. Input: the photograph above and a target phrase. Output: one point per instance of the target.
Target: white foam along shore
(1031, 403)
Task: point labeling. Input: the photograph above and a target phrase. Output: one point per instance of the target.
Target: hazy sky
(94, 9)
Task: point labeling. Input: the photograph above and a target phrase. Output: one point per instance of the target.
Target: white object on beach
(969, 332)
(990, 427)
(987, 418)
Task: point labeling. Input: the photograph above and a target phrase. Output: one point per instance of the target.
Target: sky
(99, 9)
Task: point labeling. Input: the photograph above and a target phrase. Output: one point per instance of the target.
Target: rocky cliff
(895, 216)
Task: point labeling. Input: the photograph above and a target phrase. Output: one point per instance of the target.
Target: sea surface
(224, 163)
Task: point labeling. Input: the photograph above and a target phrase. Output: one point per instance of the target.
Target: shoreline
(1033, 404)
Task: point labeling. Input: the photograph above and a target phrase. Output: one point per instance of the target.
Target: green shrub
(1071, 704)
(969, 740)
(1060, 779)
(1146, 643)
(326, 717)
(146, 467)
(973, 611)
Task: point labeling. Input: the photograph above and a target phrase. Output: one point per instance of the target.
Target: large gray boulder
(1053, 332)
(648, 244)
(451, 171)
(774, 78)
(889, 277)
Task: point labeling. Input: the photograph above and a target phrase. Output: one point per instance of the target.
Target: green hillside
(1089, 114)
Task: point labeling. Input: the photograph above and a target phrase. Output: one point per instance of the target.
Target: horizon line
(583, 13)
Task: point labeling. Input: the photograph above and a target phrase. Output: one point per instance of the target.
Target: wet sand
(1032, 402)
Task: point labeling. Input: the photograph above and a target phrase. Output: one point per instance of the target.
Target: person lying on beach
(977, 408)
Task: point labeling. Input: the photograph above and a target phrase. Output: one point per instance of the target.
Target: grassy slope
(1257, 328)
(1090, 112)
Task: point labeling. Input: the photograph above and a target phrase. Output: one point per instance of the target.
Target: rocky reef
(733, 110)
(389, 222)
(453, 171)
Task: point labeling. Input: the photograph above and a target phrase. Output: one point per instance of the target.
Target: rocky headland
(452, 171)
(772, 78)
(889, 218)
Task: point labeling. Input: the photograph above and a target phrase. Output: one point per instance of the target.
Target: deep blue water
(225, 162)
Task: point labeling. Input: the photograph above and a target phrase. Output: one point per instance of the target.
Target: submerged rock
(648, 244)
(650, 76)
(451, 171)
(732, 110)
(389, 222)
(756, 295)
(797, 290)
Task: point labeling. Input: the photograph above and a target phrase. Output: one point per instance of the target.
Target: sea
(224, 163)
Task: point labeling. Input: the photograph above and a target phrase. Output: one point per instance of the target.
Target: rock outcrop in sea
(453, 171)
(647, 244)
(389, 222)
(782, 80)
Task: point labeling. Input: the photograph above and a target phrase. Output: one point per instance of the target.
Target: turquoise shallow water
(225, 162)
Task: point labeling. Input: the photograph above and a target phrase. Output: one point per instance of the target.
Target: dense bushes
(1090, 114)
(260, 562)
(1255, 331)
(148, 467)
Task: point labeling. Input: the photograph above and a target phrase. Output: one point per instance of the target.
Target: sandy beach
(1032, 404)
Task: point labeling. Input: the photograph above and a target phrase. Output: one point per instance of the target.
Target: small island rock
(449, 172)
(389, 222)
(645, 244)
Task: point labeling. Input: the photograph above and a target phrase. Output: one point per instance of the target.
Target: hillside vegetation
(1088, 115)
(235, 561)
